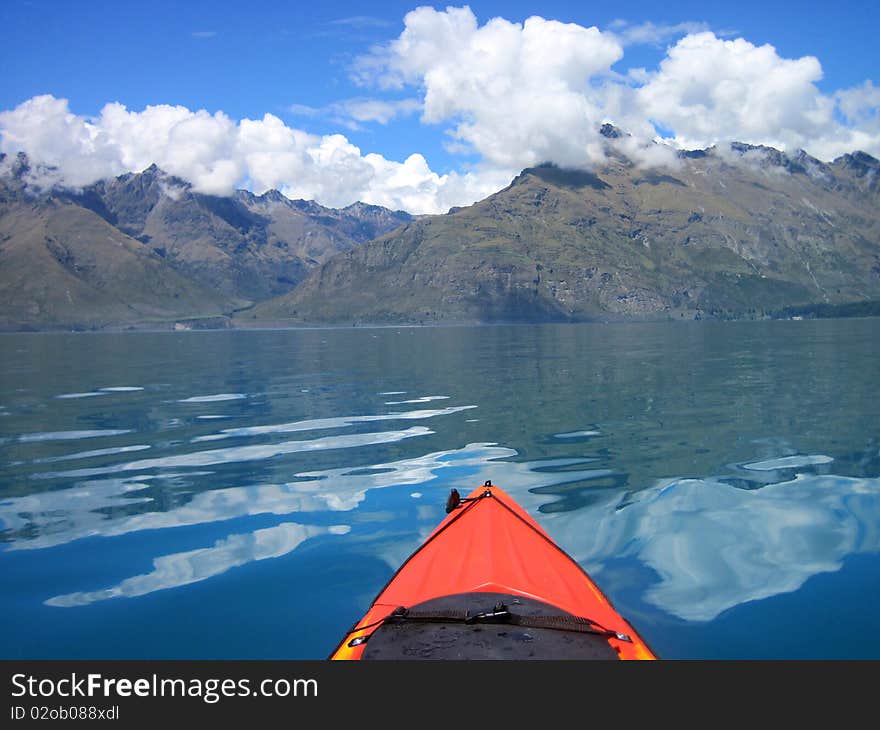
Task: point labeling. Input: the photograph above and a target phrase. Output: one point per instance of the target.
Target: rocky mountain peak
(367, 211)
(27, 177)
(308, 206)
(274, 196)
(695, 154)
(358, 208)
(610, 131)
(859, 162)
(771, 157)
(19, 166)
(563, 177)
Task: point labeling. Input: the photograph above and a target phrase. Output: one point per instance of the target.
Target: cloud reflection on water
(257, 452)
(180, 569)
(714, 546)
(53, 518)
(319, 424)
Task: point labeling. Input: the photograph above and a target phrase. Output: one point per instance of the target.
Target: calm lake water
(246, 494)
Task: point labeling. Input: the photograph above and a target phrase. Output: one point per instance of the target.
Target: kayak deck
(488, 554)
(450, 627)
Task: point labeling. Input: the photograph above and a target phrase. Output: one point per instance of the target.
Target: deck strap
(500, 615)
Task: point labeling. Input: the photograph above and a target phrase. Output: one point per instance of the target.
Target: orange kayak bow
(489, 583)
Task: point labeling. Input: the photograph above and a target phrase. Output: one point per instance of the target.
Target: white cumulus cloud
(505, 95)
(708, 89)
(217, 154)
(537, 91)
(518, 94)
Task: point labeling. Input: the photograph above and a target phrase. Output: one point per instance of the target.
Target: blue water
(246, 494)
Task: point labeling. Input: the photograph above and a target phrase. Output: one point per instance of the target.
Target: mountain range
(146, 250)
(750, 232)
(744, 231)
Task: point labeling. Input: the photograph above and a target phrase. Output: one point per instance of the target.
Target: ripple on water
(256, 452)
(34, 524)
(213, 398)
(423, 399)
(321, 424)
(577, 434)
(91, 454)
(101, 391)
(789, 462)
(71, 435)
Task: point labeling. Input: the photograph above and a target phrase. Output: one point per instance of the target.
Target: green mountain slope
(743, 233)
(145, 248)
(247, 247)
(63, 267)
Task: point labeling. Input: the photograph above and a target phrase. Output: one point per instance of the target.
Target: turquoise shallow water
(246, 494)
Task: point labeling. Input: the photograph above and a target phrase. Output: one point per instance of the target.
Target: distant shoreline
(855, 310)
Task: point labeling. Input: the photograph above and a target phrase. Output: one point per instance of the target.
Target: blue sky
(296, 61)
